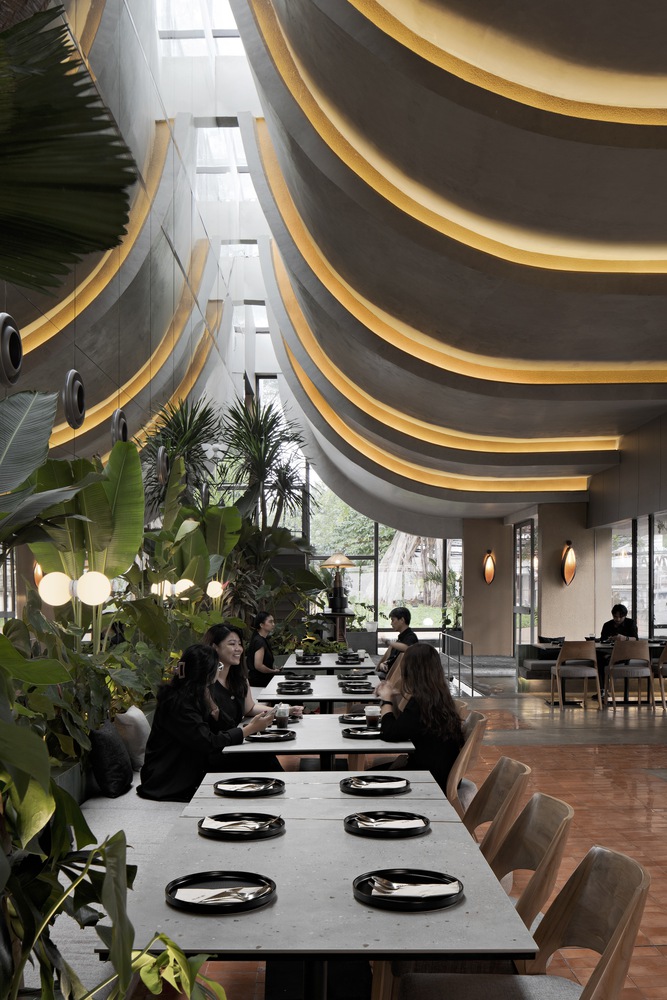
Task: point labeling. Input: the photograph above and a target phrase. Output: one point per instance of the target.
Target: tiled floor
(612, 768)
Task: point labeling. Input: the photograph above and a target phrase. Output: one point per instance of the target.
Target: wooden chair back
(631, 659)
(577, 650)
(623, 652)
(497, 802)
(473, 730)
(599, 908)
(535, 842)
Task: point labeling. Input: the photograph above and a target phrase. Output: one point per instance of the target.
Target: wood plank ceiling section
(469, 259)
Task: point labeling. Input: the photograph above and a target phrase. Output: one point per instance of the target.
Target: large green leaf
(93, 504)
(64, 170)
(222, 527)
(114, 899)
(26, 421)
(22, 749)
(33, 811)
(125, 492)
(39, 672)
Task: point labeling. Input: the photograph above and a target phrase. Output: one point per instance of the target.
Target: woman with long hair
(186, 738)
(417, 705)
(231, 693)
(259, 655)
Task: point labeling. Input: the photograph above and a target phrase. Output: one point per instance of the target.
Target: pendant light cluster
(57, 589)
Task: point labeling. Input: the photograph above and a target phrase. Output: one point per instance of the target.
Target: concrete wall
(487, 608)
(581, 608)
(636, 485)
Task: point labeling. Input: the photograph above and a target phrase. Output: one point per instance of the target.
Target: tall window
(621, 566)
(525, 583)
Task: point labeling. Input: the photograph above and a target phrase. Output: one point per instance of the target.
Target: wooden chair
(599, 908)
(534, 842)
(575, 660)
(497, 802)
(630, 660)
(460, 791)
(660, 671)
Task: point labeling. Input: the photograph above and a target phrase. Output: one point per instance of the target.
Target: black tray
(269, 786)
(348, 662)
(272, 736)
(211, 880)
(352, 825)
(353, 719)
(295, 688)
(362, 888)
(298, 675)
(346, 785)
(362, 733)
(345, 689)
(361, 677)
(276, 827)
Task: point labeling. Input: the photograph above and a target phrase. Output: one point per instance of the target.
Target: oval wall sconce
(74, 399)
(118, 427)
(162, 465)
(488, 567)
(568, 564)
(11, 350)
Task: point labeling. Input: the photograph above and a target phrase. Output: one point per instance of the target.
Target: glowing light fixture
(162, 589)
(93, 588)
(568, 564)
(214, 588)
(37, 574)
(182, 586)
(338, 562)
(489, 567)
(55, 589)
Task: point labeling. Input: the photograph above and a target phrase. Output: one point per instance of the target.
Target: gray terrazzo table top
(325, 689)
(320, 734)
(315, 914)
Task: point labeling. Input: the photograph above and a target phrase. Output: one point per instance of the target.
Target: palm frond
(65, 170)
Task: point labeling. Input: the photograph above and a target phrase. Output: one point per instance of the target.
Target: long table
(326, 692)
(314, 916)
(328, 664)
(319, 792)
(323, 735)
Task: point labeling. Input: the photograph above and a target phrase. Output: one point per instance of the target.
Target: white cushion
(133, 728)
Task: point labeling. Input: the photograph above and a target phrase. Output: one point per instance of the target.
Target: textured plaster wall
(487, 608)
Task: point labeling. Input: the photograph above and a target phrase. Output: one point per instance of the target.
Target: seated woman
(231, 692)
(422, 709)
(186, 738)
(259, 655)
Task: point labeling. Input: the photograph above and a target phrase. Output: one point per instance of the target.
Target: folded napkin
(365, 783)
(250, 786)
(390, 824)
(231, 824)
(232, 893)
(421, 891)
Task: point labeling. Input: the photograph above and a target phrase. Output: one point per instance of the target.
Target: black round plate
(357, 689)
(295, 688)
(299, 675)
(360, 676)
(353, 719)
(362, 888)
(350, 661)
(354, 786)
(275, 826)
(352, 825)
(233, 787)
(309, 661)
(220, 880)
(272, 736)
(357, 733)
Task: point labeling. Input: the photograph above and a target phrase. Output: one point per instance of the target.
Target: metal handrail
(454, 648)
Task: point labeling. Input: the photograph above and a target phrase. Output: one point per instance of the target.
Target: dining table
(323, 735)
(313, 916)
(326, 691)
(330, 663)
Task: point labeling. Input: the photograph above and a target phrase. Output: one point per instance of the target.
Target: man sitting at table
(400, 620)
(620, 626)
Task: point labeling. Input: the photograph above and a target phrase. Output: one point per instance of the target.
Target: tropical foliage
(64, 171)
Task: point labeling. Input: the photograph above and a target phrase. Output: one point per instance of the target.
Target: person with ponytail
(187, 737)
(421, 709)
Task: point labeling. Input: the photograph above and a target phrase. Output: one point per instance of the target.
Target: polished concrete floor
(611, 767)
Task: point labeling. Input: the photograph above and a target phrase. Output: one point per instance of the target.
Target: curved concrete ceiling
(470, 261)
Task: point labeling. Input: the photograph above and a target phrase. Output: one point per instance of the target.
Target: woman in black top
(259, 655)
(426, 713)
(188, 736)
(232, 696)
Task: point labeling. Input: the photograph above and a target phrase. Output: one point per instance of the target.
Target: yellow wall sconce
(489, 567)
(568, 564)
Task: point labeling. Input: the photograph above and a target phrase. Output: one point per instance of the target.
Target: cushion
(426, 986)
(110, 761)
(133, 728)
